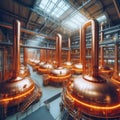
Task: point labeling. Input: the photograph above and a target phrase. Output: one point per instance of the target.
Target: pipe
(80, 45)
(102, 48)
(16, 49)
(58, 49)
(116, 67)
(95, 47)
(26, 31)
(25, 56)
(4, 63)
(69, 45)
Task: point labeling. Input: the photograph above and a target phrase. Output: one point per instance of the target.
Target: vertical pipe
(25, 56)
(116, 67)
(16, 49)
(58, 49)
(48, 55)
(94, 64)
(4, 64)
(45, 56)
(102, 49)
(40, 56)
(69, 45)
(80, 45)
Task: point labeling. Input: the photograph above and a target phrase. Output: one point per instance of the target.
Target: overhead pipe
(95, 38)
(16, 48)
(25, 31)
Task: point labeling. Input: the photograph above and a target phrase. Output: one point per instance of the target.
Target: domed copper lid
(60, 71)
(47, 66)
(101, 94)
(78, 65)
(41, 63)
(68, 63)
(15, 91)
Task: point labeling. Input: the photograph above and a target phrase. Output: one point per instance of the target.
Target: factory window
(54, 8)
(75, 21)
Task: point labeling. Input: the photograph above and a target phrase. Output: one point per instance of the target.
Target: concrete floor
(47, 93)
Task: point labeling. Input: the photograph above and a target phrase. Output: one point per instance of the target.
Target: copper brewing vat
(58, 75)
(20, 89)
(44, 68)
(34, 63)
(45, 65)
(91, 96)
(77, 68)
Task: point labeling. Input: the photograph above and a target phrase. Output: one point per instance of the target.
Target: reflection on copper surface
(91, 96)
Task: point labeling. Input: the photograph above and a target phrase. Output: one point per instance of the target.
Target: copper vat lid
(17, 85)
(60, 71)
(47, 66)
(68, 63)
(105, 93)
(15, 91)
(36, 61)
(41, 63)
(78, 65)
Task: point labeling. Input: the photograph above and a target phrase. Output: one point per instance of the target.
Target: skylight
(54, 8)
(75, 21)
